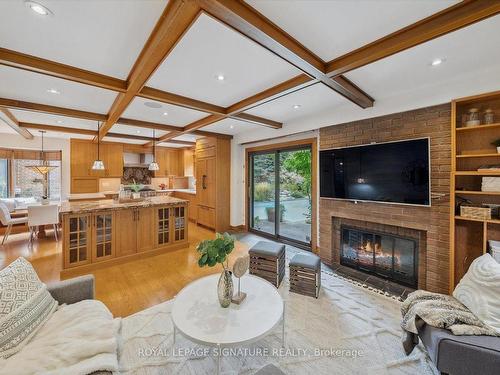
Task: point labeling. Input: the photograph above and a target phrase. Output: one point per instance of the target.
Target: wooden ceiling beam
(246, 20)
(54, 128)
(54, 69)
(258, 120)
(173, 23)
(13, 123)
(35, 107)
(448, 20)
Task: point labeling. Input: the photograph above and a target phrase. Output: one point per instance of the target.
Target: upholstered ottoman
(267, 260)
(305, 274)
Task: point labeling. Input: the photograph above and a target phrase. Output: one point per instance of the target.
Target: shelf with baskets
(473, 152)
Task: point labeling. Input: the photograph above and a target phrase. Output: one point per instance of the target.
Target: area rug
(347, 330)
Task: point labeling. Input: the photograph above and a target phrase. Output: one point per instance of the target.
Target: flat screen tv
(394, 172)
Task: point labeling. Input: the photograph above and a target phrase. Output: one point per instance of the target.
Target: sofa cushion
(25, 306)
(479, 290)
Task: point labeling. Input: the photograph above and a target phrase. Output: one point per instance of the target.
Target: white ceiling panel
(232, 127)
(4, 128)
(209, 49)
(49, 119)
(333, 28)
(135, 130)
(468, 54)
(33, 87)
(124, 140)
(172, 145)
(188, 137)
(310, 100)
(177, 116)
(101, 36)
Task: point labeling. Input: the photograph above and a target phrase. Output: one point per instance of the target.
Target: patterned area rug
(347, 330)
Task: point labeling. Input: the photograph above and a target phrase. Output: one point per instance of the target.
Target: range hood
(134, 160)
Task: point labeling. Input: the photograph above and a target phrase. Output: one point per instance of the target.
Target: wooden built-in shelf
(492, 155)
(488, 221)
(473, 192)
(478, 127)
(476, 173)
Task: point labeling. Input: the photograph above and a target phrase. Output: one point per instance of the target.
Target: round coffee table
(198, 316)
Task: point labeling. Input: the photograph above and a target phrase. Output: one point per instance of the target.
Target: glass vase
(225, 288)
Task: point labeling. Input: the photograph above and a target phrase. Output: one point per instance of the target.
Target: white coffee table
(198, 316)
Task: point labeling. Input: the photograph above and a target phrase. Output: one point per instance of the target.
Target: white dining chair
(8, 221)
(43, 215)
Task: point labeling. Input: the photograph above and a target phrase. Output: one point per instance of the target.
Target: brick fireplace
(429, 224)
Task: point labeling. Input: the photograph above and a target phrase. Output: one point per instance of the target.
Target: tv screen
(395, 172)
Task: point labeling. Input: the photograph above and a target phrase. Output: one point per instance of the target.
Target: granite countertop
(109, 204)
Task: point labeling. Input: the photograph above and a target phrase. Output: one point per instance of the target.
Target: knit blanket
(440, 311)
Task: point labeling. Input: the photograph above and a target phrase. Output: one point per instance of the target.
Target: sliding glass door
(280, 194)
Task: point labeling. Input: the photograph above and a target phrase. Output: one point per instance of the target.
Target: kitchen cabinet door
(126, 240)
(145, 229)
(103, 235)
(77, 240)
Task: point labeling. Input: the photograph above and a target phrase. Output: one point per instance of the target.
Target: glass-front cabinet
(103, 224)
(77, 240)
(164, 220)
(179, 214)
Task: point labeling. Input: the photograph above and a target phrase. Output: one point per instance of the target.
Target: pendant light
(43, 167)
(153, 166)
(98, 163)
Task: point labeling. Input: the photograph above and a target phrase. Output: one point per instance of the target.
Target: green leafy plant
(263, 191)
(136, 187)
(215, 251)
(496, 143)
(270, 213)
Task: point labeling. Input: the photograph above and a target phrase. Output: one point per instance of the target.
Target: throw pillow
(479, 290)
(25, 306)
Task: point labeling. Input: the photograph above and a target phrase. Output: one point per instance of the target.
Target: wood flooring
(125, 288)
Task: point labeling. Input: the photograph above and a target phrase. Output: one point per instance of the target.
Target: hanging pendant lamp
(43, 168)
(98, 163)
(153, 166)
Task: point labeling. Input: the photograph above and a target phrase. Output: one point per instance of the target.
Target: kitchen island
(105, 232)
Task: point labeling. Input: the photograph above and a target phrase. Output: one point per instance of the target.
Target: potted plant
(497, 145)
(136, 188)
(213, 252)
(270, 213)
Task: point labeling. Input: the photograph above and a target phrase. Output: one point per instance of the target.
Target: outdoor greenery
(215, 251)
(263, 192)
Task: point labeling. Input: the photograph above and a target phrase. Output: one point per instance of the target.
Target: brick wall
(433, 122)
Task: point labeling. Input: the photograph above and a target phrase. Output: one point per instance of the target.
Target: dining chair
(8, 221)
(43, 215)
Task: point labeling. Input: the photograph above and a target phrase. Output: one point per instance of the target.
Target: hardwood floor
(125, 288)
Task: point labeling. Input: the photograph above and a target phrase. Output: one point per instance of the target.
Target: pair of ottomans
(267, 260)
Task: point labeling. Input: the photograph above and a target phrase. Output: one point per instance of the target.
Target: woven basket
(481, 213)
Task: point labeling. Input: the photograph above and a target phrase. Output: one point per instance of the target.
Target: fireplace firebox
(385, 255)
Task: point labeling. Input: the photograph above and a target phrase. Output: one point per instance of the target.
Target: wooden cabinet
(170, 162)
(193, 205)
(77, 240)
(126, 243)
(112, 156)
(103, 235)
(212, 166)
(83, 154)
(163, 217)
(145, 229)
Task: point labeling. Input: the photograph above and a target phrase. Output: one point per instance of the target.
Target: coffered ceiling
(226, 67)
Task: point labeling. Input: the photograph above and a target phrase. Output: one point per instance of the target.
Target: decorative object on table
(217, 251)
(490, 183)
(472, 118)
(267, 260)
(305, 274)
(489, 117)
(240, 267)
(474, 212)
(153, 166)
(136, 188)
(98, 164)
(43, 167)
(497, 145)
(162, 186)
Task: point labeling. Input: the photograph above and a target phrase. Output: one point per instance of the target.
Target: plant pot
(270, 214)
(225, 288)
(136, 195)
(45, 201)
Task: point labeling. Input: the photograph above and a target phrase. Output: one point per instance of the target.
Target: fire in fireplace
(388, 256)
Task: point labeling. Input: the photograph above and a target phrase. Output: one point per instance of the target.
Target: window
(4, 178)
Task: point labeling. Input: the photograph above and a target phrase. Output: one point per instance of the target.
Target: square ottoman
(267, 260)
(305, 274)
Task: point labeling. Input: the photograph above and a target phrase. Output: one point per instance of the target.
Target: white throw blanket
(78, 339)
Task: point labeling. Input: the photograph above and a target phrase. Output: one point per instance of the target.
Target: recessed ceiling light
(437, 62)
(220, 77)
(152, 104)
(231, 127)
(165, 113)
(59, 121)
(53, 91)
(296, 106)
(138, 132)
(38, 8)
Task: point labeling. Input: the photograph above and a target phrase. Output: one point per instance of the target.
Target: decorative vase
(225, 288)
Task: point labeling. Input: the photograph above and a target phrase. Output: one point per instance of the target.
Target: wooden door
(113, 160)
(201, 186)
(103, 236)
(163, 217)
(162, 160)
(126, 240)
(179, 216)
(210, 182)
(77, 240)
(83, 154)
(145, 229)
